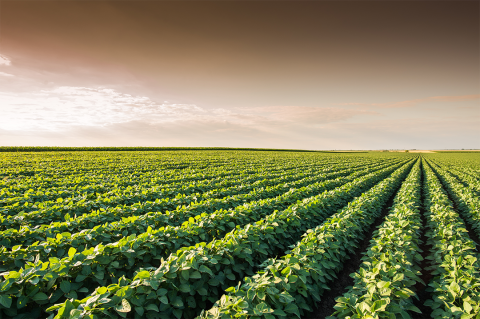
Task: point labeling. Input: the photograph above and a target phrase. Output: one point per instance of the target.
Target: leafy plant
(220, 263)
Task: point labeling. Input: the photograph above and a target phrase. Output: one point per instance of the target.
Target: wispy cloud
(95, 116)
(64, 106)
(410, 103)
(58, 109)
(4, 60)
(5, 74)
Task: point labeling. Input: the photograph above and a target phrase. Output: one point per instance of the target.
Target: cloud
(4, 60)
(426, 133)
(70, 115)
(410, 103)
(59, 108)
(87, 116)
(5, 74)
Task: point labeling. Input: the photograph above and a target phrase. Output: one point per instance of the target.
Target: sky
(271, 74)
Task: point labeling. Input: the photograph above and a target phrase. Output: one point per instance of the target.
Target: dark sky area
(300, 74)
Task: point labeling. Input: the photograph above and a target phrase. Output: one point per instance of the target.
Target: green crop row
(59, 245)
(44, 174)
(41, 212)
(145, 171)
(89, 268)
(43, 197)
(466, 200)
(188, 279)
(287, 287)
(145, 201)
(455, 267)
(383, 285)
(469, 179)
(57, 237)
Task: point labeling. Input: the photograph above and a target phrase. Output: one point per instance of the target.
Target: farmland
(239, 234)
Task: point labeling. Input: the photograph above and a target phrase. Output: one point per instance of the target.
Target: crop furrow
(456, 283)
(57, 233)
(94, 189)
(464, 200)
(148, 200)
(286, 287)
(55, 211)
(217, 265)
(383, 285)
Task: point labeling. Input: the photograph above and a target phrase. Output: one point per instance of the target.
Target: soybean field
(239, 234)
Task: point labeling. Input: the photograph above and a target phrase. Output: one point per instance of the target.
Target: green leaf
(202, 291)
(383, 284)
(191, 302)
(196, 275)
(413, 308)
(286, 271)
(243, 304)
(71, 252)
(362, 308)
(379, 305)
(40, 297)
(142, 275)
(102, 290)
(466, 306)
(162, 291)
(178, 313)
(152, 307)
(454, 288)
(6, 301)
(402, 294)
(75, 314)
(405, 315)
(398, 277)
(65, 286)
(185, 274)
(292, 308)
(264, 308)
(205, 269)
(261, 294)
(279, 312)
(184, 288)
(140, 311)
(124, 306)
(214, 282)
(178, 302)
(163, 299)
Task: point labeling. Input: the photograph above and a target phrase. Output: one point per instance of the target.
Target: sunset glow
(312, 75)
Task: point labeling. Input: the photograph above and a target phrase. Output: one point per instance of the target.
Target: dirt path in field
(419, 288)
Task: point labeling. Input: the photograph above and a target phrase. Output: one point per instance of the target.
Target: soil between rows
(420, 289)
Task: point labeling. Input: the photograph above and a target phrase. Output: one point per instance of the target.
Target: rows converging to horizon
(239, 234)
